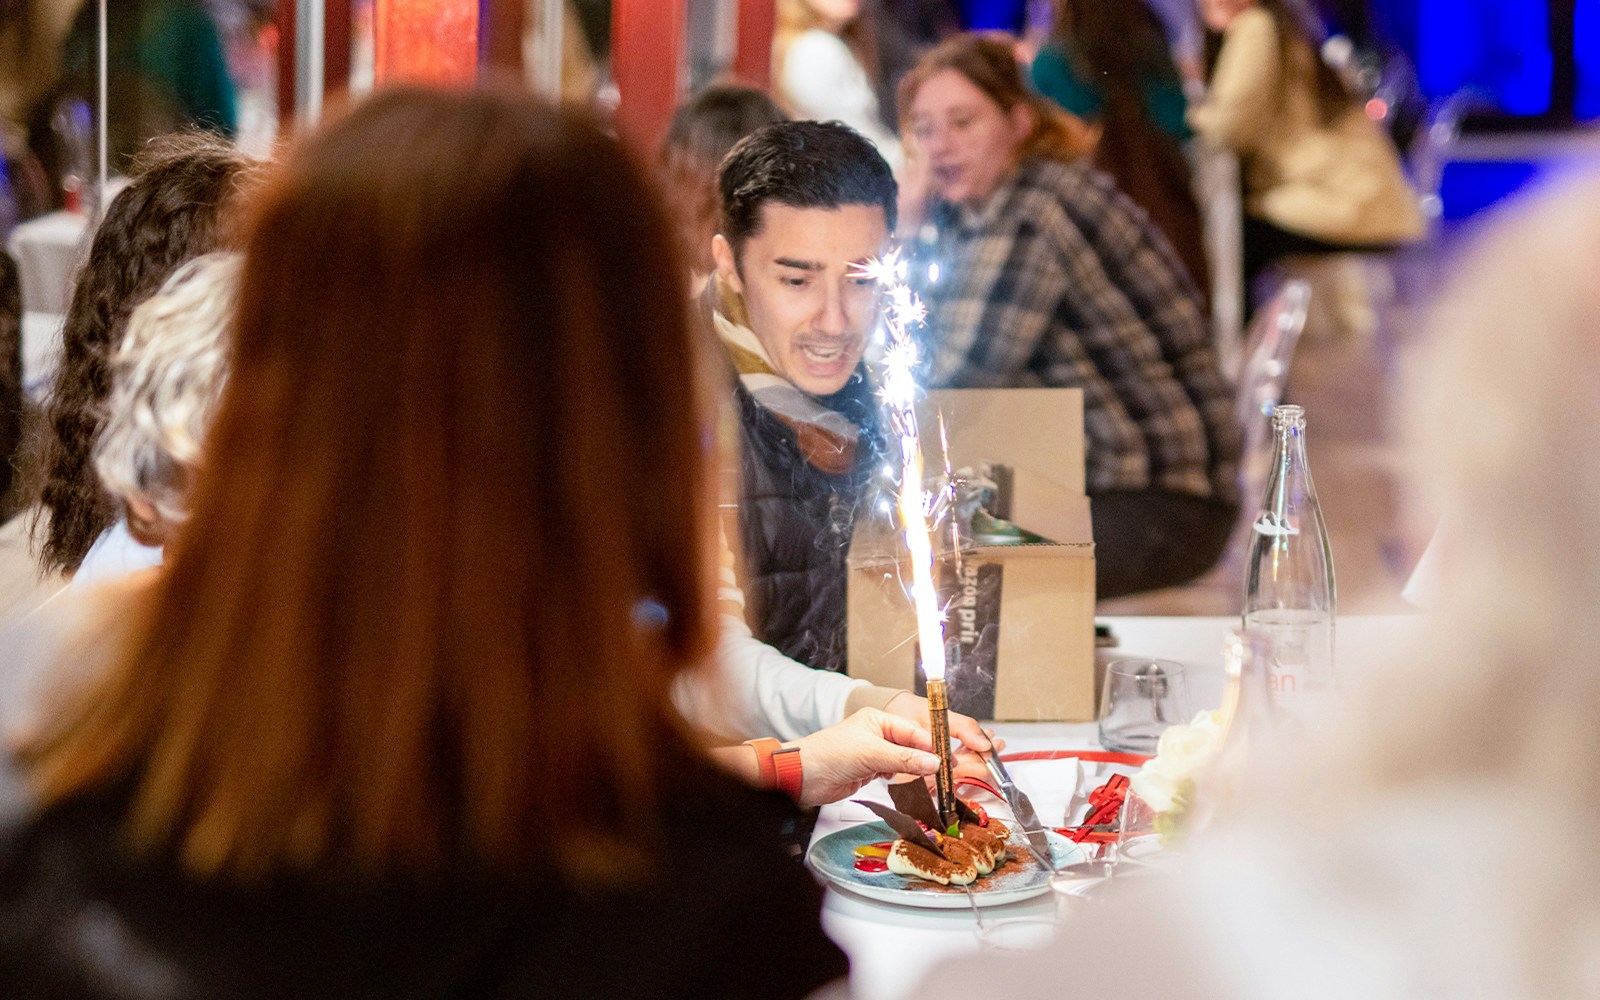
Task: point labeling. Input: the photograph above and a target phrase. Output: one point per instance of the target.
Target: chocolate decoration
(913, 798)
(965, 813)
(907, 828)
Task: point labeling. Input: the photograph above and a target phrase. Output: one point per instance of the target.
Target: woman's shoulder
(1082, 215)
(722, 882)
(815, 46)
(1252, 26)
(1062, 190)
(1057, 77)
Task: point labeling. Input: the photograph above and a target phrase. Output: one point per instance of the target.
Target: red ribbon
(1105, 803)
(1097, 756)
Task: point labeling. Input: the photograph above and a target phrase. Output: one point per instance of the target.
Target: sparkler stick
(904, 310)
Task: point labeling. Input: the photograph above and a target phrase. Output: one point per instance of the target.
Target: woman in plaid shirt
(1042, 273)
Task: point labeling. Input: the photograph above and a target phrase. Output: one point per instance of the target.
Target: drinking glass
(1016, 934)
(1141, 698)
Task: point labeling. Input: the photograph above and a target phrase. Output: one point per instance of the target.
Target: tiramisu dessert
(978, 851)
(974, 847)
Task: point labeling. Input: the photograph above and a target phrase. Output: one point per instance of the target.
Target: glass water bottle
(1289, 592)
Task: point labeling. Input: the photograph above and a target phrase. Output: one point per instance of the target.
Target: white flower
(1180, 753)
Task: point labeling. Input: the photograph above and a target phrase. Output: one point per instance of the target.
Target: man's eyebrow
(800, 265)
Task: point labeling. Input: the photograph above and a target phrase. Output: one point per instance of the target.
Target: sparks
(903, 311)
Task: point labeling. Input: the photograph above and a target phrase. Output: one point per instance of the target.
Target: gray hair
(166, 378)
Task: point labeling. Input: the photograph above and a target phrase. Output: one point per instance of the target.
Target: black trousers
(1265, 244)
(1149, 539)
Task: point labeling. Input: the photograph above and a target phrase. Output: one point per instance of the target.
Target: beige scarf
(825, 437)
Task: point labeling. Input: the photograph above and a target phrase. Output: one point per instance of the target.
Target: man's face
(810, 314)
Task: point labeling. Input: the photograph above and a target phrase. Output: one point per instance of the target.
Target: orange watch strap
(786, 761)
(765, 747)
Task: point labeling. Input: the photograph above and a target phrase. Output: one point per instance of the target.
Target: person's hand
(915, 188)
(976, 741)
(972, 736)
(837, 761)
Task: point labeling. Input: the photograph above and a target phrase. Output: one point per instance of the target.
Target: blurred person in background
(1319, 176)
(1047, 275)
(825, 68)
(1371, 859)
(166, 377)
(31, 34)
(168, 71)
(578, 79)
(1109, 63)
(179, 205)
(345, 746)
(702, 131)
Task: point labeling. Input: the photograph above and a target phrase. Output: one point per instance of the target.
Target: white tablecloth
(892, 947)
(41, 348)
(46, 250)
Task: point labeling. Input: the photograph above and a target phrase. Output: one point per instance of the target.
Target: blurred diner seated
(166, 378)
(383, 725)
(1434, 839)
(825, 67)
(700, 134)
(1109, 63)
(1320, 177)
(179, 204)
(1038, 271)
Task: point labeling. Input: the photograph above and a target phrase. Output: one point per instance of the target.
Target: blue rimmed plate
(1021, 877)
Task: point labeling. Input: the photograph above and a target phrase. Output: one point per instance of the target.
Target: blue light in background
(1467, 187)
(993, 15)
(1587, 50)
(1499, 46)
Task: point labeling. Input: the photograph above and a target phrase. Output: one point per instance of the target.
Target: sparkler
(904, 311)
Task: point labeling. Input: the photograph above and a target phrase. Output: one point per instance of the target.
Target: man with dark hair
(802, 204)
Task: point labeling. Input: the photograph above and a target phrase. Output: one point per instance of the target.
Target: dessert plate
(1021, 877)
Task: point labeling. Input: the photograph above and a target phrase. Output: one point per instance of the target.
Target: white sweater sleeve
(752, 689)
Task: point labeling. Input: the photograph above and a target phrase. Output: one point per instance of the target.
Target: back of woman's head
(1301, 34)
(452, 519)
(166, 378)
(1119, 43)
(700, 135)
(989, 63)
(707, 125)
(1499, 433)
(177, 206)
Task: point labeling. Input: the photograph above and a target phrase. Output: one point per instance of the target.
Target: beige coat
(1340, 182)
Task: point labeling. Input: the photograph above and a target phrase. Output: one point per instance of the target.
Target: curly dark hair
(176, 207)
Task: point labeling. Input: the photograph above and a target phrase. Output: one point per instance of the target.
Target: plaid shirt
(1062, 281)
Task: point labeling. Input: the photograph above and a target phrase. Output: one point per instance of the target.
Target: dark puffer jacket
(795, 525)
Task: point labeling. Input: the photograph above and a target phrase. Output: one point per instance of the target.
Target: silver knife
(1022, 809)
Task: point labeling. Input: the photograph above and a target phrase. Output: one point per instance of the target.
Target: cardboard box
(1020, 618)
